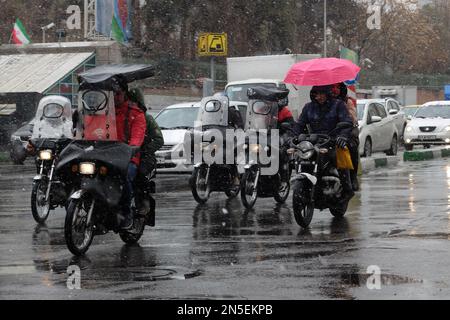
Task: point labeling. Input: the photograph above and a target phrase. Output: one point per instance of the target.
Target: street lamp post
(325, 28)
(47, 27)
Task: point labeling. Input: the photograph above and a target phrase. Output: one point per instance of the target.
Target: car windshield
(434, 111)
(360, 109)
(178, 118)
(239, 92)
(410, 111)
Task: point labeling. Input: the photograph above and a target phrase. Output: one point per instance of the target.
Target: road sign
(213, 45)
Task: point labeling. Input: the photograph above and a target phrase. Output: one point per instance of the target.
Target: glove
(341, 142)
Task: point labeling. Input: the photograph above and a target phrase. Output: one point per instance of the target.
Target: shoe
(144, 207)
(126, 224)
(355, 185)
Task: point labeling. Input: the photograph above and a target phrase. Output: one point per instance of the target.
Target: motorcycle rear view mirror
(212, 106)
(53, 111)
(94, 101)
(261, 107)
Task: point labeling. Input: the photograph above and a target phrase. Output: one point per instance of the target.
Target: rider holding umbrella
(321, 116)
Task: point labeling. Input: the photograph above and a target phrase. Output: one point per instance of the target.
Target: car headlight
(15, 138)
(447, 129)
(409, 129)
(307, 150)
(87, 168)
(45, 155)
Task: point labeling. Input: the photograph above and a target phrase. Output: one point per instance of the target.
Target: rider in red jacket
(131, 128)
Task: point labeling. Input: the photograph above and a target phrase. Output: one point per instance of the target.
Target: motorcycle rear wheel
(75, 223)
(135, 234)
(303, 213)
(40, 212)
(340, 211)
(281, 196)
(200, 195)
(233, 191)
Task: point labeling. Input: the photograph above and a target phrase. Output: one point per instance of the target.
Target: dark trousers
(129, 190)
(354, 153)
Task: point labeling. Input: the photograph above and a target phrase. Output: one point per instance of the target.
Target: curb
(426, 155)
(368, 165)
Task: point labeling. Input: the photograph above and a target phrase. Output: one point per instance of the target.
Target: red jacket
(285, 114)
(137, 126)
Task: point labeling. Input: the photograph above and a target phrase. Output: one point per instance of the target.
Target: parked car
(378, 131)
(19, 141)
(175, 121)
(409, 111)
(395, 112)
(430, 126)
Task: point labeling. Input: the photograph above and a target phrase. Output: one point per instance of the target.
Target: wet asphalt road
(400, 222)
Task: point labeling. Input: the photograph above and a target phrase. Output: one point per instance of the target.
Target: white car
(378, 131)
(175, 121)
(430, 125)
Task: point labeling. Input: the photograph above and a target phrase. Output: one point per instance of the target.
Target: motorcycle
(97, 163)
(317, 184)
(262, 119)
(51, 134)
(210, 176)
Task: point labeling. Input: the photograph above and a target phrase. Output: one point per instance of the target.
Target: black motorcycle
(317, 184)
(51, 134)
(209, 177)
(97, 164)
(262, 120)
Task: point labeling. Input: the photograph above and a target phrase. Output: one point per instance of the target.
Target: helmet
(137, 96)
(283, 103)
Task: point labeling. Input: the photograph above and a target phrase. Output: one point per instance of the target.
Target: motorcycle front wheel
(199, 187)
(249, 191)
(39, 207)
(78, 234)
(303, 212)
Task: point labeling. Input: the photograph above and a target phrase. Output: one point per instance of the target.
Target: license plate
(427, 137)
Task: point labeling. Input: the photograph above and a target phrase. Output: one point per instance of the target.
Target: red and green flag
(19, 34)
(117, 31)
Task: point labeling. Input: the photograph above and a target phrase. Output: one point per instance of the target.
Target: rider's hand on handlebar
(341, 142)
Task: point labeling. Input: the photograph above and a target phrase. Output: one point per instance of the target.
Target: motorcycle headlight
(45, 155)
(255, 148)
(87, 168)
(209, 146)
(307, 150)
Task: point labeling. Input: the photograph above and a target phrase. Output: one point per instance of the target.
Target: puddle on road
(403, 233)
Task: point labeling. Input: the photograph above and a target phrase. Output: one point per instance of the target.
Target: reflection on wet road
(400, 222)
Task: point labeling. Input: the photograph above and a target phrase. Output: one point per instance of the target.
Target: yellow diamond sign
(213, 45)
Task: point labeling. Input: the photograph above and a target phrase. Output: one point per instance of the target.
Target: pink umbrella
(321, 72)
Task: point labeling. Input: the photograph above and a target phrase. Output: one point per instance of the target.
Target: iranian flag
(19, 35)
